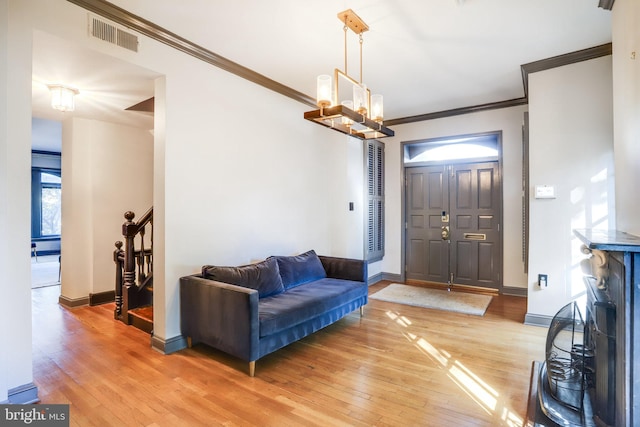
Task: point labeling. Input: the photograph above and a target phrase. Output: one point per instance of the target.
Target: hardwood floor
(396, 366)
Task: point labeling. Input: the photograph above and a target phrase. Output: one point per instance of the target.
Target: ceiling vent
(111, 33)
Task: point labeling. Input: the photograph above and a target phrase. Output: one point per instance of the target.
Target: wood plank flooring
(396, 366)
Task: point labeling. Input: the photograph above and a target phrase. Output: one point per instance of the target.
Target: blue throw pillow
(300, 269)
(263, 276)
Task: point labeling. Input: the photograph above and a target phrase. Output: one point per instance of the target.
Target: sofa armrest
(221, 315)
(345, 268)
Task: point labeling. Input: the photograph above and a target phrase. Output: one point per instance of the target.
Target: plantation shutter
(375, 201)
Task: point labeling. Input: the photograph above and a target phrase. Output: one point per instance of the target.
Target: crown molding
(457, 111)
(561, 60)
(526, 69)
(155, 32)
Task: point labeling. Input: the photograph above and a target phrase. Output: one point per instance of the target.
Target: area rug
(44, 273)
(459, 302)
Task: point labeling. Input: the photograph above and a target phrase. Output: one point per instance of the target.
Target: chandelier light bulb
(377, 109)
(323, 91)
(360, 104)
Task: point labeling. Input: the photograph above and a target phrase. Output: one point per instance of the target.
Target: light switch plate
(545, 192)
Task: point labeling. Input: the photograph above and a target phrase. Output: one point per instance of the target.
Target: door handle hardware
(475, 236)
(445, 232)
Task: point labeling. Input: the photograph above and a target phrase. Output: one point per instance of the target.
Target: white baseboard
(168, 346)
(22, 395)
(383, 276)
(537, 320)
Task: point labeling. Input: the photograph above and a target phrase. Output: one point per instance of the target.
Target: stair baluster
(129, 231)
(134, 270)
(118, 258)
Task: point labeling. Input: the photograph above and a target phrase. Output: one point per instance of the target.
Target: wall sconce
(62, 97)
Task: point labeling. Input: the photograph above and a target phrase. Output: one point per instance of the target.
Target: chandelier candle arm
(346, 120)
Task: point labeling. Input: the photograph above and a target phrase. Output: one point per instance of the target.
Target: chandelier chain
(361, 43)
(345, 46)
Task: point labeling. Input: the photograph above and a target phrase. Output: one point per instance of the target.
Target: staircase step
(142, 318)
(145, 312)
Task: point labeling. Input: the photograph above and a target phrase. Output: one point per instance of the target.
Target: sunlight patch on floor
(477, 389)
(483, 395)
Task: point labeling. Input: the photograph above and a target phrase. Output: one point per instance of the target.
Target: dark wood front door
(427, 253)
(453, 217)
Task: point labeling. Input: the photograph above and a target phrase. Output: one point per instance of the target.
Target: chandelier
(356, 112)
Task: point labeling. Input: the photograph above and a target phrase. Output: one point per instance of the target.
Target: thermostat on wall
(545, 192)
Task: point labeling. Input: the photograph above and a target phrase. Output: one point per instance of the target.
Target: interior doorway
(46, 201)
(453, 211)
(107, 113)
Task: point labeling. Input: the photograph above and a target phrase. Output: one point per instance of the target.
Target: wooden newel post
(129, 230)
(117, 258)
(134, 273)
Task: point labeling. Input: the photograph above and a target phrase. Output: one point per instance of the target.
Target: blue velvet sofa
(253, 310)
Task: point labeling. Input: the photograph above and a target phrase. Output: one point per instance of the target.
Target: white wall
(246, 177)
(238, 174)
(571, 148)
(351, 244)
(626, 108)
(509, 121)
(15, 195)
(107, 169)
(4, 199)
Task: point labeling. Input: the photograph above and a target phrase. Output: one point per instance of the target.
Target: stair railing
(134, 267)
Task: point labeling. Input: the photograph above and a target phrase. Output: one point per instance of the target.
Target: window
(460, 148)
(375, 200)
(46, 203)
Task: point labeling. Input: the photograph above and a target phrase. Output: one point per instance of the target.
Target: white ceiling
(107, 87)
(424, 56)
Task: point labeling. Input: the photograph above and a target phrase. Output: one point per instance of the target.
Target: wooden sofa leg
(189, 342)
(252, 368)
(361, 310)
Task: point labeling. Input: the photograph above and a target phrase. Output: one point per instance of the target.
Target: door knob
(445, 232)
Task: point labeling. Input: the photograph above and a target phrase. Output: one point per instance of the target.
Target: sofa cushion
(263, 276)
(302, 303)
(300, 269)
